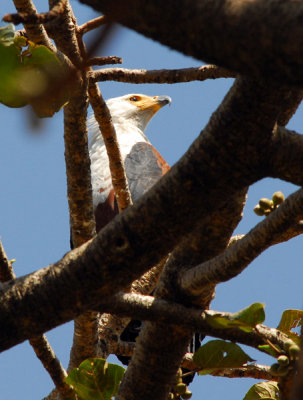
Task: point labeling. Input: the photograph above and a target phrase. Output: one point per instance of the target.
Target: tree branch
(82, 222)
(35, 32)
(255, 371)
(103, 60)
(161, 75)
(34, 18)
(237, 257)
(148, 308)
(285, 156)
(107, 129)
(227, 157)
(240, 36)
(40, 344)
(92, 24)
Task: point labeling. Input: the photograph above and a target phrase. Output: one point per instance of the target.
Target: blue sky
(34, 216)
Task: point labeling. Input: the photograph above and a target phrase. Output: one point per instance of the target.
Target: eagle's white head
(135, 109)
(130, 115)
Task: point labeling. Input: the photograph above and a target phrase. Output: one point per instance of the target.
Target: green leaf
(263, 390)
(290, 319)
(218, 354)
(95, 379)
(27, 71)
(245, 319)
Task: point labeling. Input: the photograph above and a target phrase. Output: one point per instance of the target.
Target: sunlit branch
(35, 31)
(102, 116)
(92, 24)
(149, 308)
(161, 75)
(22, 18)
(237, 257)
(103, 60)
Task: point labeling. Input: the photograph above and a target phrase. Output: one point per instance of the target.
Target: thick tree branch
(227, 157)
(82, 223)
(292, 101)
(237, 257)
(245, 37)
(285, 156)
(161, 75)
(157, 337)
(148, 308)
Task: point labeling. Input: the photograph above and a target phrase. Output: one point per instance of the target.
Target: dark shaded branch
(292, 101)
(164, 342)
(237, 257)
(297, 390)
(285, 156)
(161, 75)
(225, 158)
(245, 37)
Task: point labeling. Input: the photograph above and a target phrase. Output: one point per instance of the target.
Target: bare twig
(93, 24)
(161, 75)
(35, 32)
(237, 257)
(108, 131)
(103, 60)
(33, 18)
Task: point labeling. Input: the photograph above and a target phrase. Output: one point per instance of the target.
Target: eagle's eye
(134, 98)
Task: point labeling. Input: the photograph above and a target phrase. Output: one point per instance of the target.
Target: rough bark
(250, 37)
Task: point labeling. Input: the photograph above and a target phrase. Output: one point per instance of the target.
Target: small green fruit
(186, 395)
(258, 210)
(266, 203)
(278, 198)
(294, 351)
(277, 370)
(181, 388)
(267, 212)
(283, 360)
